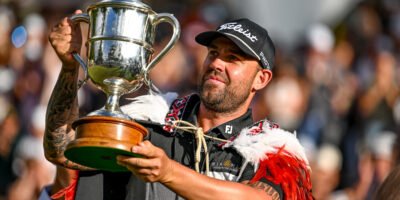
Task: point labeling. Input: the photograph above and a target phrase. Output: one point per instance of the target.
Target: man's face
(227, 76)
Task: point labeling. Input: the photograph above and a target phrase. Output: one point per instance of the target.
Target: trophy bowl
(119, 57)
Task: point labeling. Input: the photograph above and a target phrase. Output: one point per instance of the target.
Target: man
(237, 161)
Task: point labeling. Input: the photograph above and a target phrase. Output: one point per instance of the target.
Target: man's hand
(154, 166)
(66, 38)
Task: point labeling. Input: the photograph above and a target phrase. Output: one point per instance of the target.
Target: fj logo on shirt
(228, 129)
(238, 28)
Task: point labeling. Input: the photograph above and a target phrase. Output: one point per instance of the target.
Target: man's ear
(263, 77)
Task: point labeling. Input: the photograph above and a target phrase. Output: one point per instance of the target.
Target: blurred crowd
(338, 90)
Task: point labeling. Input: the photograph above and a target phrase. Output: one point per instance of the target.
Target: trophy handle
(83, 17)
(169, 18)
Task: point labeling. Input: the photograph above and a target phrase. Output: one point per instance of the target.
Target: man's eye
(212, 53)
(232, 58)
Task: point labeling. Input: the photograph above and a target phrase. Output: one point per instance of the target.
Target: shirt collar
(228, 129)
(232, 128)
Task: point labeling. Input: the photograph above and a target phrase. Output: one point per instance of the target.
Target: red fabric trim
(287, 171)
(175, 113)
(68, 192)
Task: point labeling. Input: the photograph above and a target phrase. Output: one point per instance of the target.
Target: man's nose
(218, 64)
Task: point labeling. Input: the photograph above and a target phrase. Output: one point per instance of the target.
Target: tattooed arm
(62, 111)
(63, 108)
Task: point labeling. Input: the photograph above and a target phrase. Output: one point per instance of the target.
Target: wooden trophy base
(99, 139)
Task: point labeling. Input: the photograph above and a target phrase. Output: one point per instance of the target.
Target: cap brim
(206, 38)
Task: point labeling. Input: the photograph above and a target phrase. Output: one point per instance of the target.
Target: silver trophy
(120, 48)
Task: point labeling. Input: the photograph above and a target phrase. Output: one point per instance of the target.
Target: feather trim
(290, 173)
(278, 157)
(149, 107)
(256, 142)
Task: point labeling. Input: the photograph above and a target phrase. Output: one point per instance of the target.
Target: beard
(226, 99)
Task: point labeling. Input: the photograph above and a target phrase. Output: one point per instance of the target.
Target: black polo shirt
(180, 146)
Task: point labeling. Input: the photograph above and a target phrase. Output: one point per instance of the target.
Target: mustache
(221, 76)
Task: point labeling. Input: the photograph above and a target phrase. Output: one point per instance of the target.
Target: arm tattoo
(61, 112)
(264, 187)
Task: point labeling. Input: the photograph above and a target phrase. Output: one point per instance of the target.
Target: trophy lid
(121, 3)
